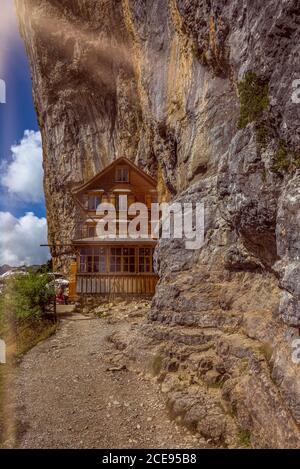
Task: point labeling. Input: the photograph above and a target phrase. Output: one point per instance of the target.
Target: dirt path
(68, 395)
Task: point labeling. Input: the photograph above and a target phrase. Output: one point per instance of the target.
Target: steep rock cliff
(200, 93)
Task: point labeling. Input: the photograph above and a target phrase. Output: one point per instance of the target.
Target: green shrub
(253, 94)
(41, 269)
(26, 296)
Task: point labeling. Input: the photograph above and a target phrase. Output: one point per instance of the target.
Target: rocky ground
(77, 390)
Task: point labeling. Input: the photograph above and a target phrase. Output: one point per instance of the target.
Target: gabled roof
(121, 160)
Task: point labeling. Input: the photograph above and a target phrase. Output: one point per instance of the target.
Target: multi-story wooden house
(118, 265)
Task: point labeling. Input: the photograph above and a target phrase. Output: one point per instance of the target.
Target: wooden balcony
(135, 284)
(87, 232)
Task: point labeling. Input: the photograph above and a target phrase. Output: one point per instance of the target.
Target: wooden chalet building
(112, 266)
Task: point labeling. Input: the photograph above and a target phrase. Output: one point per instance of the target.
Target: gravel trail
(68, 394)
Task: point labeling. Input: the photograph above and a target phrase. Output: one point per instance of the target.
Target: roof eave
(108, 168)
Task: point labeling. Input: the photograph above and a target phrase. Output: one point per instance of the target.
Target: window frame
(87, 260)
(127, 260)
(147, 260)
(116, 260)
(93, 207)
(122, 168)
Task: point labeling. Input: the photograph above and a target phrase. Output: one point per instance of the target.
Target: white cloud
(23, 176)
(20, 239)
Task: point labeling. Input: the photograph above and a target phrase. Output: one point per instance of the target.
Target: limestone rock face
(161, 82)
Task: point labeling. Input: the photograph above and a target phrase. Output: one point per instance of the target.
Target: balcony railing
(87, 231)
(120, 284)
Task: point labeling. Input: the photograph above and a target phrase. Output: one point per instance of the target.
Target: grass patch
(253, 93)
(263, 134)
(244, 438)
(285, 158)
(2, 388)
(254, 99)
(33, 333)
(102, 314)
(281, 158)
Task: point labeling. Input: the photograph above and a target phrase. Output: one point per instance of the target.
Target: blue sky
(20, 148)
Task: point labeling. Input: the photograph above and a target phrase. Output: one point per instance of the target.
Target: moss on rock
(254, 99)
(263, 135)
(285, 158)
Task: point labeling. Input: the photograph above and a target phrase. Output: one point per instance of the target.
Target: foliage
(23, 324)
(254, 100)
(33, 332)
(45, 268)
(40, 269)
(281, 158)
(285, 158)
(263, 135)
(253, 94)
(26, 296)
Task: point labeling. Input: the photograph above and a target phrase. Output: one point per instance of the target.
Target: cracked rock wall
(158, 81)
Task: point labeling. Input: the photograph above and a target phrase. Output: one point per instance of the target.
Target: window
(82, 264)
(145, 260)
(115, 260)
(102, 262)
(93, 202)
(122, 260)
(93, 260)
(122, 174)
(129, 260)
(91, 231)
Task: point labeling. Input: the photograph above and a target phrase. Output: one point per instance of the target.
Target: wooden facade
(113, 266)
